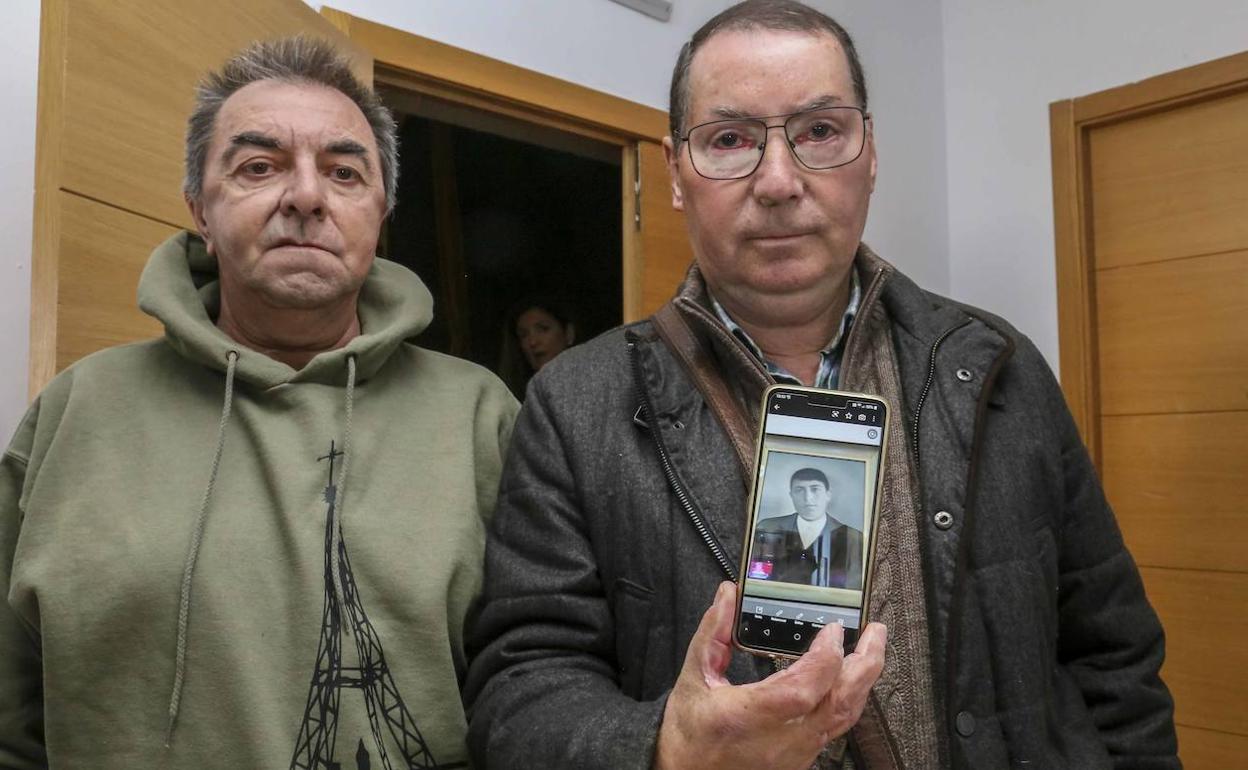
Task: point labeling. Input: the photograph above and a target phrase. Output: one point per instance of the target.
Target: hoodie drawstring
(197, 535)
(340, 493)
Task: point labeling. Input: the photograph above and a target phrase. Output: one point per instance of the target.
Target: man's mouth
(292, 243)
(778, 235)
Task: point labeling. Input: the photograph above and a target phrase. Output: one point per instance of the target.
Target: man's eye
(728, 140)
(820, 131)
(345, 174)
(258, 167)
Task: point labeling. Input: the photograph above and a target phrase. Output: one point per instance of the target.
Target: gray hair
(298, 60)
(782, 15)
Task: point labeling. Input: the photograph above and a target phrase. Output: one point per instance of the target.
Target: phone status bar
(830, 406)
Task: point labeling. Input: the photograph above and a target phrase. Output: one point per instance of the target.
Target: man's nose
(778, 177)
(305, 192)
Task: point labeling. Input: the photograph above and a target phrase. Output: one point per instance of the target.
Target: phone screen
(812, 518)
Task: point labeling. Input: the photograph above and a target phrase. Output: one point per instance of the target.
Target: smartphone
(812, 516)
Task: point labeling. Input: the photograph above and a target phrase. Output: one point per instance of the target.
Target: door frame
(424, 66)
(1070, 124)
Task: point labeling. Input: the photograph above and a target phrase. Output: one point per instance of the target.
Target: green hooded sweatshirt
(180, 592)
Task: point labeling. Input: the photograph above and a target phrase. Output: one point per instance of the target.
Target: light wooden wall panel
(1176, 482)
(1206, 624)
(1211, 750)
(1171, 184)
(102, 252)
(1172, 335)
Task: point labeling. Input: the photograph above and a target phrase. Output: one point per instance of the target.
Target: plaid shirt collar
(829, 358)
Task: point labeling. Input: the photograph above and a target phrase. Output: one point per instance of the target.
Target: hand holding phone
(812, 518)
(785, 720)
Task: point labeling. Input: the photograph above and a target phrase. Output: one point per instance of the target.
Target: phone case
(869, 565)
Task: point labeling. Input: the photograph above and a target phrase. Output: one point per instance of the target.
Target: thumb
(710, 650)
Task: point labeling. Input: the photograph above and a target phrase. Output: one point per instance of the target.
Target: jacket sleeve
(21, 671)
(1109, 638)
(543, 688)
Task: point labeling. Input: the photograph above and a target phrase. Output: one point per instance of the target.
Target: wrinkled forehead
(295, 113)
(767, 72)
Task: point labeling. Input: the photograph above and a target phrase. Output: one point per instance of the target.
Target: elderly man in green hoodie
(252, 543)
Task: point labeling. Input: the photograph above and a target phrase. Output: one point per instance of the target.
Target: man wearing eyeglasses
(1018, 630)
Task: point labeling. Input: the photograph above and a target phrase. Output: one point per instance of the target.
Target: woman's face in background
(541, 336)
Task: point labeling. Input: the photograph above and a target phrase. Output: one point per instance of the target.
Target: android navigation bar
(799, 614)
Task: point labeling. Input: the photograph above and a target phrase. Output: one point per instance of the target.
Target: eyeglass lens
(731, 149)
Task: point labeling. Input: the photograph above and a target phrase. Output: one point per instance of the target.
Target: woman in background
(535, 331)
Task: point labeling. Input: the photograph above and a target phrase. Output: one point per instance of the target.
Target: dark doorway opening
(493, 210)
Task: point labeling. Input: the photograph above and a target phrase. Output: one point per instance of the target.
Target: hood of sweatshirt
(180, 287)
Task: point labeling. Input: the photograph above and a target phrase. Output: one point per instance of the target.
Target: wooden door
(116, 85)
(1151, 199)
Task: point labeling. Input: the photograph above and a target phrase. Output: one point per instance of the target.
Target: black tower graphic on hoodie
(314, 748)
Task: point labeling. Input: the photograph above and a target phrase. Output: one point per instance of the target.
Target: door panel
(1171, 184)
(1176, 481)
(1205, 654)
(1210, 748)
(1172, 335)
(102, 250)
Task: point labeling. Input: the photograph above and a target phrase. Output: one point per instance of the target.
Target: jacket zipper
(669, 472)
(927, 385)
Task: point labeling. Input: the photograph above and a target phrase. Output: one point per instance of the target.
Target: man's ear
(871, 149)
(196, 208)
(671, 157)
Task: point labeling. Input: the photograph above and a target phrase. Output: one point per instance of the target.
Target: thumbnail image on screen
(813, 512)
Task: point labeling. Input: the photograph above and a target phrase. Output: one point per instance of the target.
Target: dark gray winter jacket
(1046, 651)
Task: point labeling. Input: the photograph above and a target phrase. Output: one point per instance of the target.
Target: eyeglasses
(819, 139)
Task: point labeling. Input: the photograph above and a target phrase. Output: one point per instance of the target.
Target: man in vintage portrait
(810, 546)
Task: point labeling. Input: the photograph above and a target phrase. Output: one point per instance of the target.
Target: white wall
(19, 65)
(1005, 61)
(899, 42)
